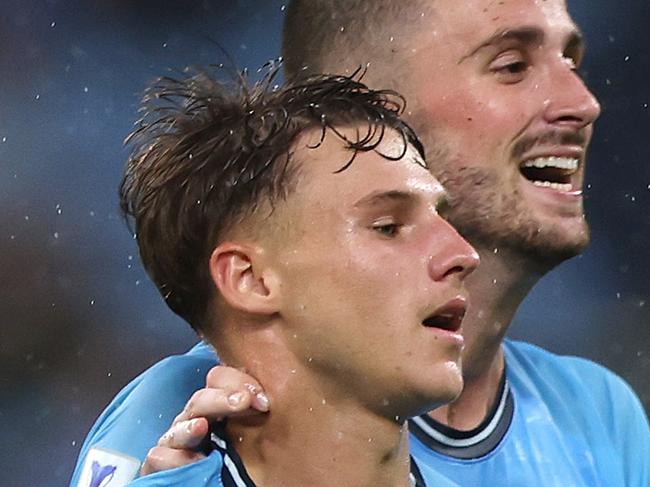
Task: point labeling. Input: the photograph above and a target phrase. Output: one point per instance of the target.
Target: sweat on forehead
(206, 153)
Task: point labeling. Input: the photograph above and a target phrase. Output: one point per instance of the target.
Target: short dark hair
(321, 36)
(207, 153)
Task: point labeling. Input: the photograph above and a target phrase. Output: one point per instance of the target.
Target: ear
(243, 280)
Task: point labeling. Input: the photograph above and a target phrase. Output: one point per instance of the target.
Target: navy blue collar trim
(233, 471)
(471, 444)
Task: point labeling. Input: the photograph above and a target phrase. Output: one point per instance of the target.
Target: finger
(215, 404)
(161, 458)
(185, 434)
(228, 378)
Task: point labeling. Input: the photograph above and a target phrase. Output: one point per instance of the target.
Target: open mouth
(551, 172)
(449, 317)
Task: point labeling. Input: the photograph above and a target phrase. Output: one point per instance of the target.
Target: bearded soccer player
(494, 93)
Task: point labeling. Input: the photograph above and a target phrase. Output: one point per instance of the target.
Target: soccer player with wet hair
(297, 229)
(494, 92)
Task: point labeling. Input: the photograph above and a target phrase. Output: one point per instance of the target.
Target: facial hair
(492, 217)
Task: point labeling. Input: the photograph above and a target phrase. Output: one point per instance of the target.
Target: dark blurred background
(80, 317)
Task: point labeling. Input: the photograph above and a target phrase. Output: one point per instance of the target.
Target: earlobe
(242, 280)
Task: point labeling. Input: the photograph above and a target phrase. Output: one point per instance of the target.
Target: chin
(558, 244)
(445, 387)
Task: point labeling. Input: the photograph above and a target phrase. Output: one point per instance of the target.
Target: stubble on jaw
(492, 218)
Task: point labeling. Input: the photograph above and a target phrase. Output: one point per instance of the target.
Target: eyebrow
(528, 35)
(391, 196)
(377, 197)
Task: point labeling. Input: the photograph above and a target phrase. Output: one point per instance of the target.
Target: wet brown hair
(206, 153)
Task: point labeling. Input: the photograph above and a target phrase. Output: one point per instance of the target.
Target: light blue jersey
(560, 421)
(136, 418)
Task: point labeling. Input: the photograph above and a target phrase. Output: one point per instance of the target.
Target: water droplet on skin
(311, 409)
(324, 402)
(496, 250)
(293, 371)
(494, 281)
(240, 439)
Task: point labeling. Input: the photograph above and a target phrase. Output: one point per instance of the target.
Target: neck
(312, 436)
(497, 289)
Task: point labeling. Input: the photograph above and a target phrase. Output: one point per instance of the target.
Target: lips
(449, 316)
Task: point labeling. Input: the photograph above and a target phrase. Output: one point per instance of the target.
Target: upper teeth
(559, 162)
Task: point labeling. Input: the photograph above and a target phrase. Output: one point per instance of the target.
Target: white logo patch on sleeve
(106, 468)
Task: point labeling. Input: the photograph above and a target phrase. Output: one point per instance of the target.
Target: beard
(493, 218)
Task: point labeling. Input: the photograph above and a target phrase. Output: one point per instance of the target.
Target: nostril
(454, 270)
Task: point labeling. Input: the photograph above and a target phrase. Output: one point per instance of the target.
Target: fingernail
(235, 399)
(190, 425)
(262, 401)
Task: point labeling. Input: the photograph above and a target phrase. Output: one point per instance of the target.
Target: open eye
(387, 229)
(509, 67)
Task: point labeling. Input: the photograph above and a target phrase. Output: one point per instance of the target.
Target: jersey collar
(233, 471)
(468, 444)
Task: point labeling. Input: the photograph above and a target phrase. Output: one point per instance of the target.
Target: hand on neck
(308, 439)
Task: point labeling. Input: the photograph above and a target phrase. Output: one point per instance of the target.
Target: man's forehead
(484, 17)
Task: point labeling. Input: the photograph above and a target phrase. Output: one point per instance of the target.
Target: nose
(453, 255)
(570, 103)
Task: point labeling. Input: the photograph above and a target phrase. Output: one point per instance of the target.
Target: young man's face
(493, 92)
(371, 273)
